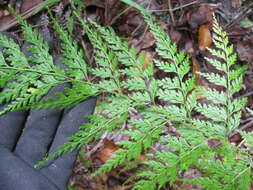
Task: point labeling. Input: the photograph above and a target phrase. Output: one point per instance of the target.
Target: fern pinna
(148, 104)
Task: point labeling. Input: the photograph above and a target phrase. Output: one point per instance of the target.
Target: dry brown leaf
(245, 52)
(27, 9)
(204, 37)
(202, 15)
(189, 47)
(196, 69)
(108, 151)
(235, 138)
(214, 143)
(175, 35)
(148, 59)
(144, 42)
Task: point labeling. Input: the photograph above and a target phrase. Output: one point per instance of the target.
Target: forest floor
(189, 24)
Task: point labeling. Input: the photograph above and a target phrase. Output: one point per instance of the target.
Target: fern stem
(152, 98)
(228, 104)
(90, 34)
(239, 174)
(47, 73)
(66, 38)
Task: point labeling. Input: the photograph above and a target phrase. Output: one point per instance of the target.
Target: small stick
(171, 13)
(176, 8)
(247, 125)
(247, 94)
(244, 13)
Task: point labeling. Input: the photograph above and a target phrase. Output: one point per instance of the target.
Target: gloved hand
(26, 137)
(26, 140)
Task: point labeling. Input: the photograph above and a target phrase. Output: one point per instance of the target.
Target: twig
(117, 16)
(98, 145)
(240, 16)
(176, 8)
(171, 13)
(247, 125)
(185, 5)
(143, 35)
(247, 94)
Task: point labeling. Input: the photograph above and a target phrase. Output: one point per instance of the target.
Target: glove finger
(11, 125)
(69, 125)
(40, 127)
(15, 174)
(62, 167)
(38, 133)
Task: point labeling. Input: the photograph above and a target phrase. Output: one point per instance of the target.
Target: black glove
(25, 141)
(25, 138)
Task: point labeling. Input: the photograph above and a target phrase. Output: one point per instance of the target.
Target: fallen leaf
(235, 138)
(143, 42)
(141, 158)
(189, 47)
(147, 61)
(27, 9)
(214, 143)
(245, 52)
(204, 37)
(195, 70)
(237, 32)
(175, 36)
(108, 151)
(203, 15)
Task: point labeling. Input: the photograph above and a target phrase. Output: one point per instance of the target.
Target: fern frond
(25, 77)
(69, 98)
(215, 78)
(217, 113)
(238, 177)
(105, 59)
(175, 62)
(210, 129)
(224, 111)
(6, 74)
(217, 97)
(165, 165)
(37, 74)
(73, 57)
(16, 59)
(248, 138)
(116, 110)
(231, 81)
(32, 80)
(87, 133)
(141, 139)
